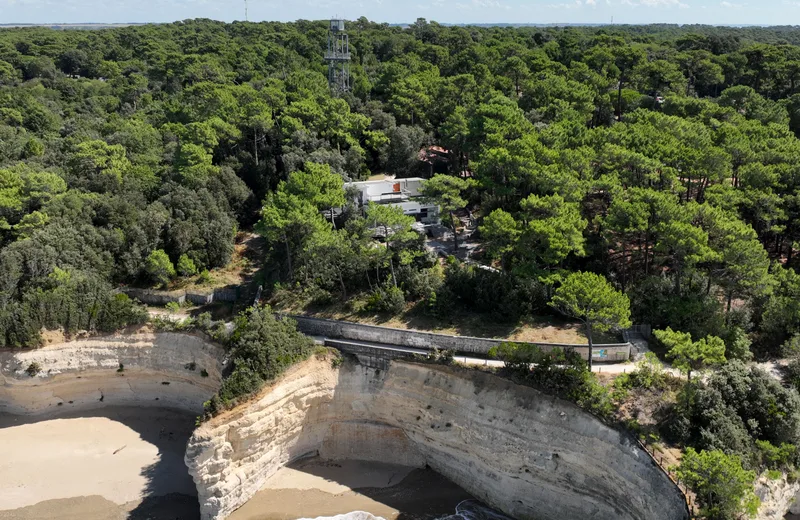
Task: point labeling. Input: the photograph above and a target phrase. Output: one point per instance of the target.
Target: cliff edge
(523, 452)
(169, 370)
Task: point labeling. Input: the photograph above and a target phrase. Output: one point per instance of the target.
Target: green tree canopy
(589, 298)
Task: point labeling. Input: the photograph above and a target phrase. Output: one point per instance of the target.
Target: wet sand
(105, 464)
(313, 488)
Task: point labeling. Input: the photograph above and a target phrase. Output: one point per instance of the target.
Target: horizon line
(401, 24)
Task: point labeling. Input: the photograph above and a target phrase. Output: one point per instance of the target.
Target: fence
(684, 489)
(430, 340)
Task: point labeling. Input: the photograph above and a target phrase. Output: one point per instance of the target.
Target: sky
(718, 12)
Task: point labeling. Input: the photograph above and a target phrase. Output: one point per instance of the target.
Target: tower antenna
(245, 11)
(338, 57)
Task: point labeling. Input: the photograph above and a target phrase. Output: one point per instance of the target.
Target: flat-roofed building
(403, 193)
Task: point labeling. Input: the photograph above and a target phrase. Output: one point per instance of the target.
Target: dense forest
(650, 169)
(657, 156)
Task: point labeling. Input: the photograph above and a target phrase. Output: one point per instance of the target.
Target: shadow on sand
(422, 495)
(169, 492)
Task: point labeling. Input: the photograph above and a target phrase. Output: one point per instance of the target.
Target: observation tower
(338, 57)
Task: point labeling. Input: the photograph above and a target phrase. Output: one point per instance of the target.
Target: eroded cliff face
(778, 497)
(159, 369)
(527, 454)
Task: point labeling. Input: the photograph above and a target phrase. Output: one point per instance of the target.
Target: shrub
(505, 296)
(261, 347)
(33, 369)
(204, 277)
(203, 321)
(560, 371)
(186, 266)
(592, 396)
(173, 307)
(121, 368)
(159, 267)
(776, 457)
(386, 299)
(649, 374)
(443, 356)
(724, 489)
(204, 373)
(420, 283)
(736, 407)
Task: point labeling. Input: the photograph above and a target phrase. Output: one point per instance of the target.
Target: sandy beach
(126, 463)
(120, 462)
(313, 488)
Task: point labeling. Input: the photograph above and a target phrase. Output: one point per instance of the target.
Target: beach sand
(126, 463)
(121, 462)
(313, 488)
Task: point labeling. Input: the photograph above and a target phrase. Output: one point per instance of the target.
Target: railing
(344, 56)
(396, 196)
(685, 491)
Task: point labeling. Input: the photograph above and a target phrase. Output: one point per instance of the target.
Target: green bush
(441, 356)
(72, 300)
(204, 278)
(420, 284)
(261, 347)
(186, 266)
(159, 267)
(649, 374)
(386, 299)
(504, 296)
(560, 371)
(773, 457)
(734, 409)
(724, 489)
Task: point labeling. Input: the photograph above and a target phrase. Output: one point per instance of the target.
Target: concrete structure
(336, 329)
(527, 454)
(229, 293)
(403, 193)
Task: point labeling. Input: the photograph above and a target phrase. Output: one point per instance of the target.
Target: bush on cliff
(261, 348)
(561, 372)
(739, 410)
(71, 300)
(724, 489)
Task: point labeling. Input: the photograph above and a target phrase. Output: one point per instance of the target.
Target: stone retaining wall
(198, 297)
(429, 340)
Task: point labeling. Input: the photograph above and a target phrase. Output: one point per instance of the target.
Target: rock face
(528, 454)
(160, 369)
(777, 496)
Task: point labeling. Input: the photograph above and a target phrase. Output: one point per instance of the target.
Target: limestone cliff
(528, 454)
(161, 369)
(778, 496)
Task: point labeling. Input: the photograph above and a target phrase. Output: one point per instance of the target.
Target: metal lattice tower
(338, 57)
